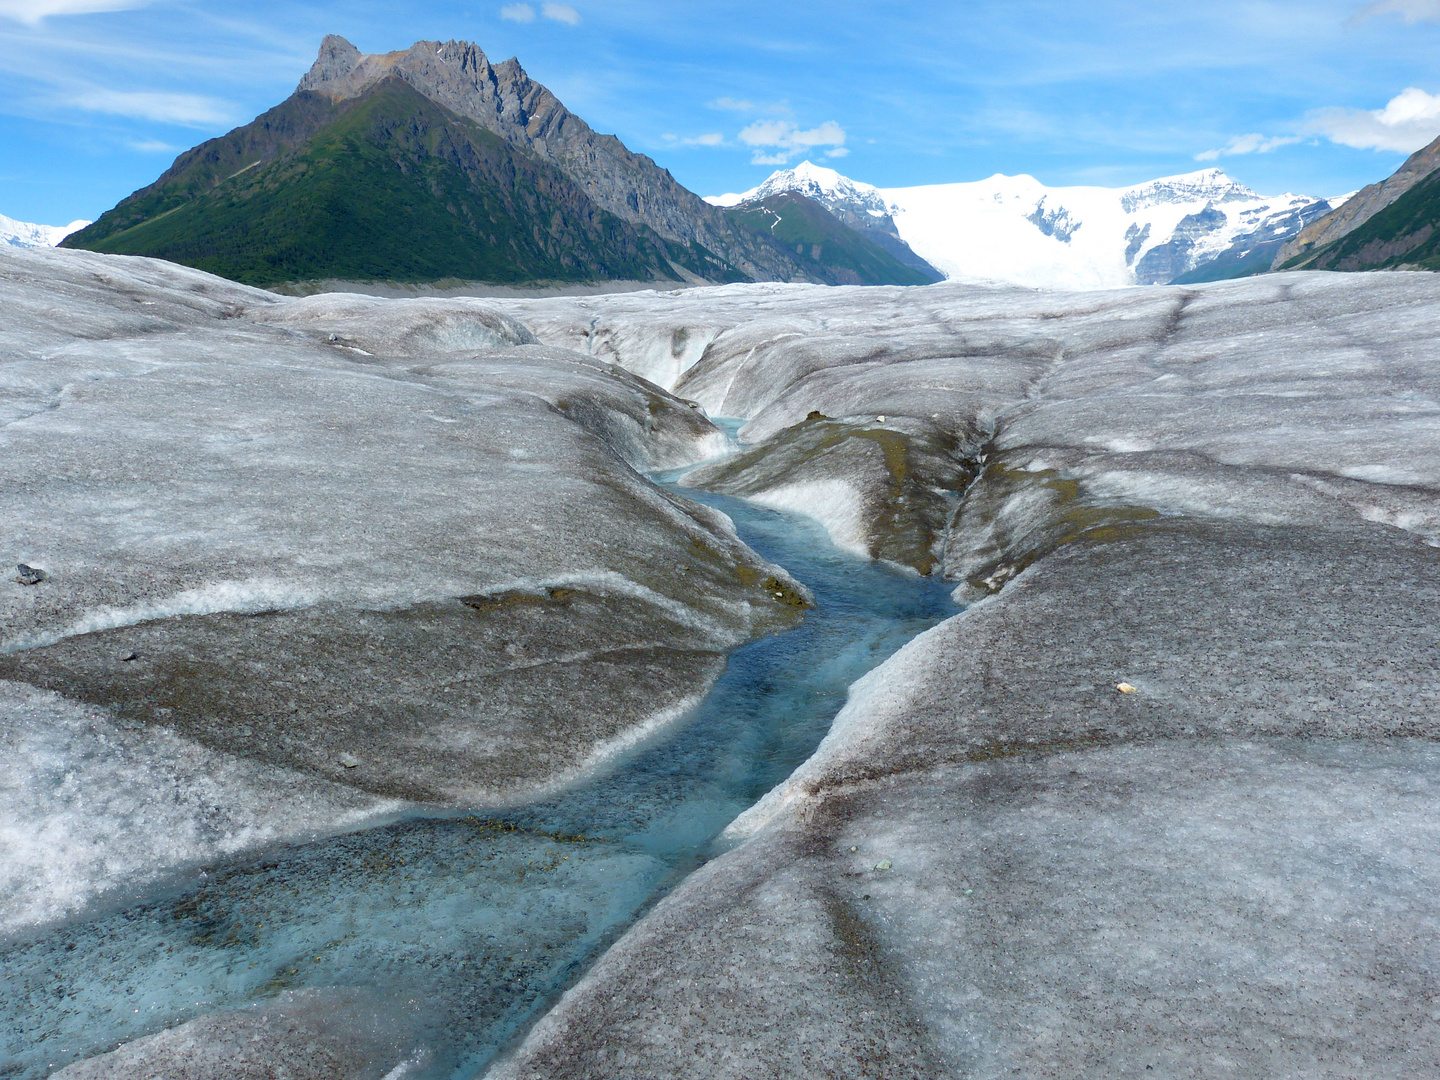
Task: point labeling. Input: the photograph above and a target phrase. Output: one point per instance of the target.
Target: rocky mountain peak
(505, 100)
(337, 59)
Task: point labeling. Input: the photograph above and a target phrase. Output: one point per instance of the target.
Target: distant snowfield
(23, 234)
(1014, 229)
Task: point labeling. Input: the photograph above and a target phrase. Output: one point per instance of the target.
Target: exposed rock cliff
(1360, 207)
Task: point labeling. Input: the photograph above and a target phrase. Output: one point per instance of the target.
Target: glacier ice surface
(394, 547)
(1224, 496)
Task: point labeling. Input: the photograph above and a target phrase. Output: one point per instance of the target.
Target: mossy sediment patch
(1012, 516)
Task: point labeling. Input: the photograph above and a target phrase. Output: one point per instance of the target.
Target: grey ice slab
(1223, 497)
(996, 860)
(1224, 628)
(468, 927)
(1175, 910)
(89, 804)
(301, 1035)
(391, 544)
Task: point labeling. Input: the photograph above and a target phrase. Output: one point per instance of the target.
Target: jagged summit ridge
(505, 100)
(455, 74)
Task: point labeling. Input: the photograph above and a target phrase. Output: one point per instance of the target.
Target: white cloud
(518, 13)
(839, 151)
(152, 146)
(31, 12)
(729, 104)
(1409, 120)
(187, 110)
(784, 140)
(561, 13)
(1248, 144)
(1412, 11)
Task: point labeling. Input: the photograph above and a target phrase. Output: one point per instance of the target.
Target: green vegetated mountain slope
(1404, 235)
(384, 186)
(822, 243)
(432, 164)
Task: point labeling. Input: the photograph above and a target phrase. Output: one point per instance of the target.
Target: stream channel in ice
(455, 932)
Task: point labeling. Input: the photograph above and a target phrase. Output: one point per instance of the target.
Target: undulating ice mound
(1274, 399)
(1162, 801)
(384, 550)
(303, 1035)
(1172, 910)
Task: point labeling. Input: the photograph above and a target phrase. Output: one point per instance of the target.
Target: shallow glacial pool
(436, 939)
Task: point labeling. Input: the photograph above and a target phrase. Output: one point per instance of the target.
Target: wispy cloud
(152, 146)
(1412, 11)
(32, 12)
(1408, 121)
(838, 152)
(1248, 144)
(776, 141)
(713, 138)
(744, 105)
(561, 13)
(525, 13)
(186, 110)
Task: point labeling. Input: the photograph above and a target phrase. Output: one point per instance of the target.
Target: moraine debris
(30, 575)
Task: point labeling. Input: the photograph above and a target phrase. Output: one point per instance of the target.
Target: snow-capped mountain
(25, 235)
(1015, 229)
(816, 182)
(859, 206)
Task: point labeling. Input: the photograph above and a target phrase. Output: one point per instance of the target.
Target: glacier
(1016, 230)
(1225, 497)
(323, 552)
(315, 563)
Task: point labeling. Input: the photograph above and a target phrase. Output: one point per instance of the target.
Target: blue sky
(1313, 96)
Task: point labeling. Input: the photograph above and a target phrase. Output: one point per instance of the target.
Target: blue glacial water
(440, 938)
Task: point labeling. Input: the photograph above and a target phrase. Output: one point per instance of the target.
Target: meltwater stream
(432, 941)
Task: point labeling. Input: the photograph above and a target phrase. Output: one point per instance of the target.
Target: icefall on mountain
(1015, 229)
(23, 234)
